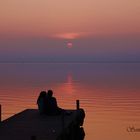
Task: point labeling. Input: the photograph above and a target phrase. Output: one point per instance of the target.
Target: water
(109, 93)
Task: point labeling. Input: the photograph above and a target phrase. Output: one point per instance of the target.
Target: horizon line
(24, 62)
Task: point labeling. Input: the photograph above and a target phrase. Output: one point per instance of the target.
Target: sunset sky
(69, 30)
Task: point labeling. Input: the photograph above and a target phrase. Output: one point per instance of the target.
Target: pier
(30, 125)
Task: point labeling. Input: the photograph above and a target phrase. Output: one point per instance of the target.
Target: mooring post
(77, 104)
(0, 113)
(33, 138)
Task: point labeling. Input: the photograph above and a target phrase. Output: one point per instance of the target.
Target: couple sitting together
(47, 104)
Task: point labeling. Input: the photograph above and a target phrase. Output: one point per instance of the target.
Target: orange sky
(69, 19)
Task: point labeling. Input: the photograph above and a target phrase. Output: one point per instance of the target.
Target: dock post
(77, 104)
(0, 113)
(33, 138)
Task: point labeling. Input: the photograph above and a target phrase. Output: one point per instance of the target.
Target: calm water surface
(109, 93)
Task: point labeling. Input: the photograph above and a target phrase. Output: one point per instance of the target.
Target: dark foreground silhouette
(29, 122)
(80, 134)
(47, 104)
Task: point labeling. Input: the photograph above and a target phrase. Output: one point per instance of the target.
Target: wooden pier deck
(30, 125)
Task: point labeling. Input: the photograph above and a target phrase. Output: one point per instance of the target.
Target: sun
(69, 44)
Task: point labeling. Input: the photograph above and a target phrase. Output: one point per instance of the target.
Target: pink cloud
(70, 35)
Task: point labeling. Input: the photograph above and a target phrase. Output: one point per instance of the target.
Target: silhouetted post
(77, 104)
(33, 138)
(0, 114)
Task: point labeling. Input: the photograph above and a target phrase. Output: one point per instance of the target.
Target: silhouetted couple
(47, 104)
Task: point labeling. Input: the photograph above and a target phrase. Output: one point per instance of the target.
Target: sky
(69, 30)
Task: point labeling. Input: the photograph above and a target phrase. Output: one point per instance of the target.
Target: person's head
(42, 94)
(50, 93)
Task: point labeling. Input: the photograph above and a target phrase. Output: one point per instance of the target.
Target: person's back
(41, 102)
(51, 104)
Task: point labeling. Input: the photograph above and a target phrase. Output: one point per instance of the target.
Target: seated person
(51, 107)
(41, 102)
